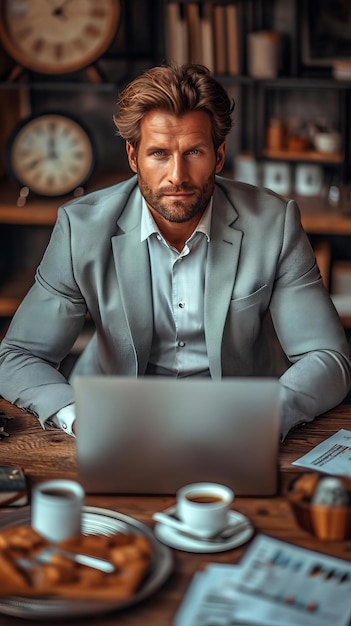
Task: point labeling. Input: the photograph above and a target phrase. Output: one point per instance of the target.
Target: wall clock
(51, 153)
(57, 36)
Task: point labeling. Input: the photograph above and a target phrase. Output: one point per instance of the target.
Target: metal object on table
(96, 521)
(46, 555)
(3, 425)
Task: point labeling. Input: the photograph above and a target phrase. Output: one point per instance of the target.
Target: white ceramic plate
(98, 522)
(175, 539)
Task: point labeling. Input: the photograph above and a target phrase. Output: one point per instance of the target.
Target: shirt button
(181, 305)
(181, 344)
(64, 426)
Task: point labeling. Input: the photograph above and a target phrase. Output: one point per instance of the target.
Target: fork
(83, 559)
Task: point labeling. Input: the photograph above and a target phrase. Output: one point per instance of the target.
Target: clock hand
(54, 6)
(56, 10)
(59, 9)
(35, 163)
(52, 153)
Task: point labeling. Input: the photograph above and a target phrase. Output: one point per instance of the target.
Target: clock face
(51, 154)
(58, 36)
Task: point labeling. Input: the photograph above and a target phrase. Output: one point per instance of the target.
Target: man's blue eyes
(159, 153)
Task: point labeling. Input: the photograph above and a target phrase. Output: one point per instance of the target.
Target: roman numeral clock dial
(51, 154)
(58, 36)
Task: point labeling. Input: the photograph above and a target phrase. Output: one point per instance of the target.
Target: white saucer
(175, 539)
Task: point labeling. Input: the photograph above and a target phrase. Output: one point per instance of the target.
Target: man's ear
(220, 157)
(132, 156)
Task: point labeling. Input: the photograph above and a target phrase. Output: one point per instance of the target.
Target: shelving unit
(141, 41)
(308, 99)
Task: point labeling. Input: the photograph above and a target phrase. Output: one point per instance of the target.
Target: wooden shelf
(43, 211)
(306, 155)
(35, 213)
(320, 218)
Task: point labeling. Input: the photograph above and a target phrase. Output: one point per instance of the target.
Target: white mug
(204, 507)
(263, 54)
(56, 511)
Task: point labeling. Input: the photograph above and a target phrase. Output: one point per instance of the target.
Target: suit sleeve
(309, 330)
(43, 331)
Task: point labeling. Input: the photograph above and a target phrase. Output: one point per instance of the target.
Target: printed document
(332, 456)
(275, 584)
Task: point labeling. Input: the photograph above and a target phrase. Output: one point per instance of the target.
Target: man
(182, 271)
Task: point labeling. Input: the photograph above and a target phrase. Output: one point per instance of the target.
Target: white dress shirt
(178, 282)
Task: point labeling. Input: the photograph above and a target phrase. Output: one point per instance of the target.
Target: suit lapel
(222, 262)
(134, 282)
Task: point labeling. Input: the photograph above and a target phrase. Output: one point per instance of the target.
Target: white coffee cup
(56, 511)
(263, 54)
(204, 507)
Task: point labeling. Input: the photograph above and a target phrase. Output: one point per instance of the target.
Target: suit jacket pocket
(258, 296)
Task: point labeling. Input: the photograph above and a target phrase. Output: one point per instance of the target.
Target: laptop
(153, 435)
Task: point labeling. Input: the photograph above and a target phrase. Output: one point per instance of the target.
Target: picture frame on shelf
(277, 176)
(326, 32)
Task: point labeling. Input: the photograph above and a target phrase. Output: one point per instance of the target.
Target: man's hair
(176, 90)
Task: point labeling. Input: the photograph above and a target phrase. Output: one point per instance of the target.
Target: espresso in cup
(65, 494)
(204, 498)
(204, 507)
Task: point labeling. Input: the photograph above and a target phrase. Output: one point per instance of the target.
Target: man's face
(176, 163)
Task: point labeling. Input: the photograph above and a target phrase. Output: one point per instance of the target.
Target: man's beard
(177, 210)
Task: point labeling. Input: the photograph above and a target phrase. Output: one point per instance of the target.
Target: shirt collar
(149, 226)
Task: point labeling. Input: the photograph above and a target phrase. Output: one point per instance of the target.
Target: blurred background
(287, 64)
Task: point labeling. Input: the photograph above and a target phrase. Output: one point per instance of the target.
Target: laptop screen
(152, 435)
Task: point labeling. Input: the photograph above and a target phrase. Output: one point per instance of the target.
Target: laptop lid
(152, 435)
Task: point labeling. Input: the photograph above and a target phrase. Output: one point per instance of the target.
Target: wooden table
(51, 454)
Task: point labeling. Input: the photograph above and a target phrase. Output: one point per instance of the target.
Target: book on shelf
(204, 32)
(220, 39)
(176, 33)
(192, 13)
(232, 39)
(207, 41)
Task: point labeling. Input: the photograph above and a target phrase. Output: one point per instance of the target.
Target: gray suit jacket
(260, 268)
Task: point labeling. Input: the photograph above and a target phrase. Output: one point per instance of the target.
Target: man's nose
(178, 171)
